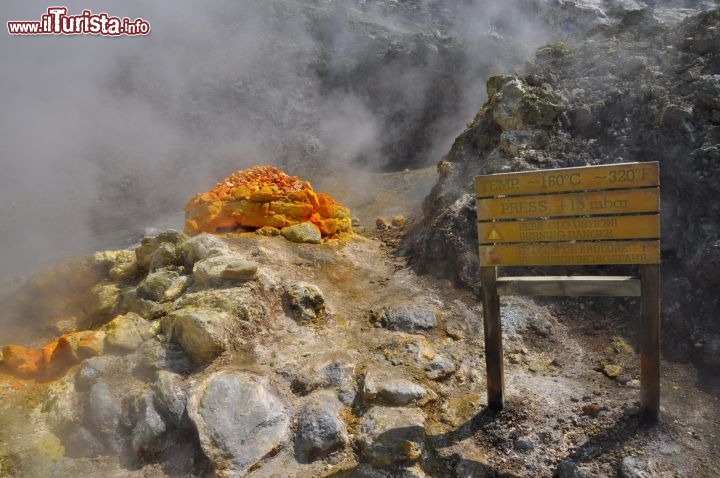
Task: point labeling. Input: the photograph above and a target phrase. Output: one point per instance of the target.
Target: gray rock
(711, 352)
(102, 415)
(201, 247)
(93, 369)
(148, 435)
(162, 286)
(440, 367)
(153, 356)
(215, 270)
(408, 320)
(239, 420)
(303, 233)
(391, 390)
(128, 331)
(632, 467)
(305, 302)
(568, 469)
(392, 436)
(331, 369)
(320, 429)
(203, 334)
(170, 396)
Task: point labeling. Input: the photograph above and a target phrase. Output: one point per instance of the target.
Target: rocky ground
(639, 90)
(243, 355)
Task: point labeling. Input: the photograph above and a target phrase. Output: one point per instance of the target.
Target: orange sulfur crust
(264, 196)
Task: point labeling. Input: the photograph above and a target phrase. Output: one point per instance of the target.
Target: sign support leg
(650, 344)
(493, 338)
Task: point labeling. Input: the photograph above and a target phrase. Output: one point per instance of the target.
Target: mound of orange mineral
(264, 196)
(55, 357)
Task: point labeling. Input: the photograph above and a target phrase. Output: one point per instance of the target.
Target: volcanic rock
(203, 334)
(201, 247)
(216, 269)
(170, 396)
(147, 436)
(305, 302)
(160, 251)
(302, 233)
(393, 391)
(239, 419)
(392, 436)
(102, 415)
(408, 319)
(320, 429)
(162, 286)
(128, 331)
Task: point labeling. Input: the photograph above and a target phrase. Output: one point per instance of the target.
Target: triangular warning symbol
(494, 235)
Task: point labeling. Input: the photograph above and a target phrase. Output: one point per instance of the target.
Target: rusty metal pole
(650, 344)
(493, 338)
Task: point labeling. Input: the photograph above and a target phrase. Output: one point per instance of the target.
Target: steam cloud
(103, 137)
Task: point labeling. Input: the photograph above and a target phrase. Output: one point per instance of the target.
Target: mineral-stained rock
(331, 369)
(263, 196)
(22, 360)
(61, 403)
(125, 267)
(440, 367)
(170, 396)
(162, 286)
(268, 231)
(320, 429)
(392, 436)
(105, 298)
(391, 390)
(407, 319)
(160, 251)
(302, 233)
(203, 334)
(305, 302)
(56, 356)
(612, 370)
(239, 420)
(216, 269)
(201, 247)
(128, 331)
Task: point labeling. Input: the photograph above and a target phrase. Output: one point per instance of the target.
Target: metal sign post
(594, 215)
